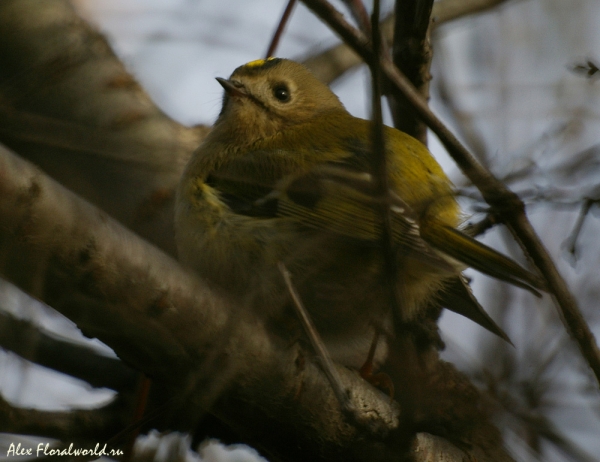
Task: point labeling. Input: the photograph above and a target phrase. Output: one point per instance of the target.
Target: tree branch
(412, 55)
(89, 424)
(29, 342)
(330, 64)
(165, 322)
(69, 105)
(505, 203)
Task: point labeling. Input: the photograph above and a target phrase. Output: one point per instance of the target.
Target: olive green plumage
(284, 176)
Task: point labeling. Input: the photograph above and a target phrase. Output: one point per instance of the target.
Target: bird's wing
(473, 253)
(336, 199)
(340, 198)
(344, 202)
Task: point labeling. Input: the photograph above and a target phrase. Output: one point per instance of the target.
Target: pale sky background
(509, 73)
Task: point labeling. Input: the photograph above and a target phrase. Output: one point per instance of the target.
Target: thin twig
(570, 243)
(335, 61)
(279, 31)
(380, 175)
(352, 413)
(506, 204)
(360, 14)
(317, 344)
(391, 274)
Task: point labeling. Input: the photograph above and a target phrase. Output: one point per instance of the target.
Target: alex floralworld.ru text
(44, 449)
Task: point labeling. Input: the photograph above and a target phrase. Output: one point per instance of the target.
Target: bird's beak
(232, 88)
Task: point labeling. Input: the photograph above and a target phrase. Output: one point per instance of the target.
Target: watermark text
(45, 450)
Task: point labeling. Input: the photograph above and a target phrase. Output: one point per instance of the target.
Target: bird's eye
(281, 92)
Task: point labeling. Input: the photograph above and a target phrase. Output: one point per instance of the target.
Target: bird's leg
(366, 369)
(379, 379)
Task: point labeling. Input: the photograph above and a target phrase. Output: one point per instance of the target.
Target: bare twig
(280, 27)
(476, 229)
(360, 14)
(570, 244)
(380, 172)
(506, 204)
(333, 62)
(315, 339)
(318, 346)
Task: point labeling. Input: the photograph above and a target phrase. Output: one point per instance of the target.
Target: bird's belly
(341, 282)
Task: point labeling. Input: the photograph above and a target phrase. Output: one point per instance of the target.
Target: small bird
(285, 176)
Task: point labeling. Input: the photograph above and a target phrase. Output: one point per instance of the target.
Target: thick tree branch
(412, 55)
(79, 261)
(69, 105)
(89, 424)
(31, 343)
(164, 322)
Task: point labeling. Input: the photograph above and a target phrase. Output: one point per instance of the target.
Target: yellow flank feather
(285, 176)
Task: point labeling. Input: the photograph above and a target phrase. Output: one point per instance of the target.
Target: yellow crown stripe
(259, 62)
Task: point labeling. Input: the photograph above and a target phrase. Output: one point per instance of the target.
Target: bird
(285, 176)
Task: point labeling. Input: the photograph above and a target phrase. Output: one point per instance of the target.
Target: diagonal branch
(505, 203)
(31, 343)
(90, 424)
(112, 284)
(69, 105)
(280, 27)
(165, 322)
(330, 64)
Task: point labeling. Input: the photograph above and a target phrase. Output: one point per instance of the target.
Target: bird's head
(264, 97)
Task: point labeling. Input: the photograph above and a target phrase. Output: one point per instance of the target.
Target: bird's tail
(458, 297)
(467, 250)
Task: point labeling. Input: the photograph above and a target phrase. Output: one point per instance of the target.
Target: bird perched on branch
(285, 176)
